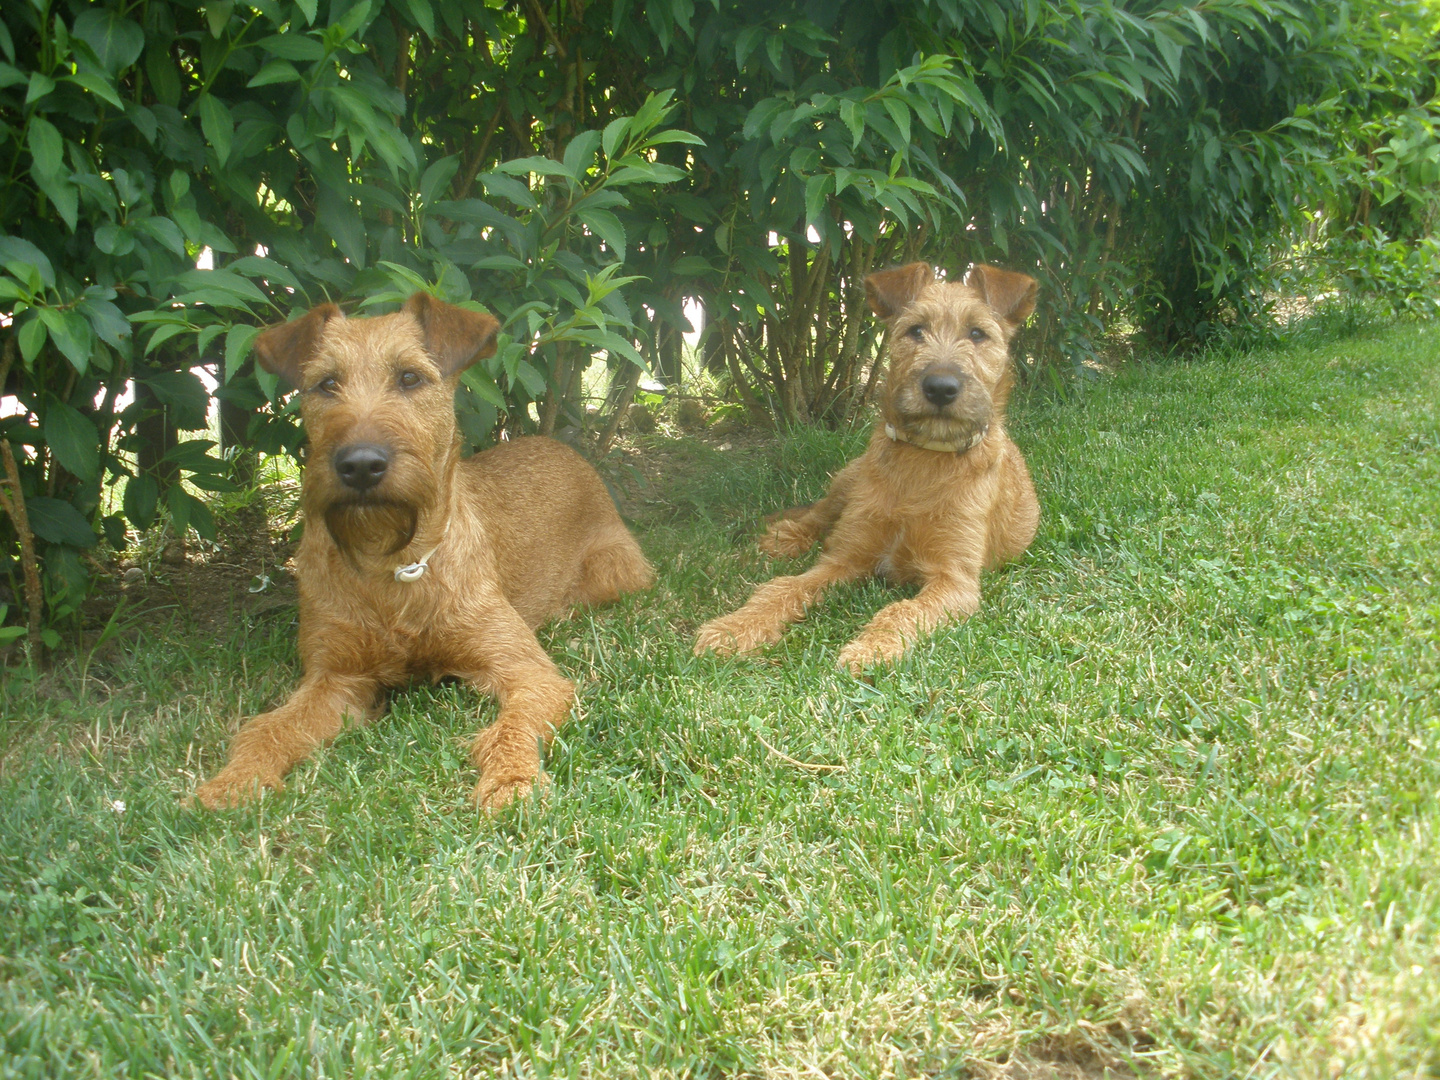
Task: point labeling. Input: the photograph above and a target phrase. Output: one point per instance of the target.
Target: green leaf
(212, 482)
(673, 135)
(817, 189)
(275, 71)
(101, 87)
(483, 386)
(217, 124)
(164, 333)
(237, 347)
(507, 187)
(32, 337)
(350, 24)
(164, 73)
(116, 41)
(73, 440)
(262, 267)
(142, 496)
(690, 266)
(605, 225)
(40, 85)
(301, 47)
(58, 522)
(17, 251)
(182, 393)
(530, 378)
(580, 154)
(541, 166)
(340, 217)
(615, 132)
(901, 115)
(165, 231)
(70, 331)
(226, 281)
(64, 196)
(189, 512)
(423, 14)
(107, 320)
(193, 454)
(437, 178)
(47, 149)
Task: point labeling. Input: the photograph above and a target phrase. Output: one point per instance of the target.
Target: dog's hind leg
(268, 745)
(613, 566)
(1017, 512)
(534, 698)
(795, 531)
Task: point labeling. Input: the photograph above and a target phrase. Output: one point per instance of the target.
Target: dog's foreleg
(534, 698)
(772, 607)
(897, 626)
(268, 745)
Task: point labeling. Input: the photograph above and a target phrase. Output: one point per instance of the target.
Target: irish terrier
(940, 492)
(415, 563)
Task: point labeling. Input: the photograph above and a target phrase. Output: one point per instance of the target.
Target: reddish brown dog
(940, 492)
(415, 563)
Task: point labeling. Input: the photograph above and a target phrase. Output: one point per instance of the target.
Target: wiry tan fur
(901, 511)
(519, 533)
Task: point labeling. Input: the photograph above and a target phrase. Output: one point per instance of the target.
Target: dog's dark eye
(916, 332)
(977, 335)
(409, 380)
(328, 385)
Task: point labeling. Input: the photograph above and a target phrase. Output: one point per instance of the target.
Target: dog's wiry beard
(374, 527)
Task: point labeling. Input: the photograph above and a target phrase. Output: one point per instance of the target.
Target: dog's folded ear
(1012, 295)
(891, 291)
(454, 336)
(285, 350)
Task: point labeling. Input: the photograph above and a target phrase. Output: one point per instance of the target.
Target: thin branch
(13, 504)
(472, 170)
(627, 395)
(549, 30)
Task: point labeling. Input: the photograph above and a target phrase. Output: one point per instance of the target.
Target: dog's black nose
(361, 465)
(940, 389)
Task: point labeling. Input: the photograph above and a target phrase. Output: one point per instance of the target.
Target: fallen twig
(811, 765)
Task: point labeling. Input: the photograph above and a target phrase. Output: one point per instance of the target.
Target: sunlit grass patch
(1166, 806)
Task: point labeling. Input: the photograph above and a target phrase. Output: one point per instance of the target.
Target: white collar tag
(416, 570)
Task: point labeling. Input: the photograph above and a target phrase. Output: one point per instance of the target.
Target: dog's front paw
(786, 537)
(508, 757)
(870, 648)
(494, 793)
(731, 636)
(233, 786)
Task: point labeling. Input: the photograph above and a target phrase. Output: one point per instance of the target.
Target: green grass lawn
(1167, 806)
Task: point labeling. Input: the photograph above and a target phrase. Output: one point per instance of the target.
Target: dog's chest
(916, 530)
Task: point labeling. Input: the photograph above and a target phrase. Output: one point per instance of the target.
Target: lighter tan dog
(940, 492)
(415, 563)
